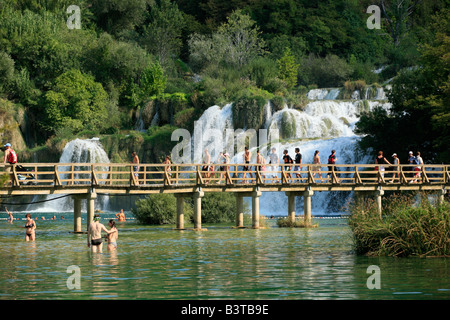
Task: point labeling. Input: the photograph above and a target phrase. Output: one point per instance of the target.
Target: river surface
(220, 263)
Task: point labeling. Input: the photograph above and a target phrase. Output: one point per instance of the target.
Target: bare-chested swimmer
(94, 236)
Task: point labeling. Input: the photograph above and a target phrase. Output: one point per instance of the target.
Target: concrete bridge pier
(307, 194)
(77, 214)
(180, 212)
(90, 207)
(198, 195)
(441, 196)
(255, 209)
(378, 197)
(360, 198)
(239, 210)
(291, 206)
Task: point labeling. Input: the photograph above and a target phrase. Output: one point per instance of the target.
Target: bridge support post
(378, 197)
(180, 212)
(198, 210)
(291, 206)
(76, 214)
(359, 200)
(90, 208)
(255, 209)
(441, 196)
(239, 210)
(307, 194)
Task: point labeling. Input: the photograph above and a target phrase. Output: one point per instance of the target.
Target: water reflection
(221, 263)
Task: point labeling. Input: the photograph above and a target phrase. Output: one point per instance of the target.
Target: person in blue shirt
(411, 161)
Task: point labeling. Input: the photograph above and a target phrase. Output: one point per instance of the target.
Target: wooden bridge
(86, 180)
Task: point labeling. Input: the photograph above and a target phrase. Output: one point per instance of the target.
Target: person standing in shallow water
(120, 216)
(112, 236)
(10, 216)
(94, 236)
(30, 227)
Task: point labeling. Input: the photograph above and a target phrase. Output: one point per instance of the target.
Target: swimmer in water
(10, 216)
(30, 227)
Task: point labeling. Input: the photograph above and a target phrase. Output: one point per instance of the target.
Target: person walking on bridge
(11, 158)
(396, 172)
(381, 160)
(135, 162)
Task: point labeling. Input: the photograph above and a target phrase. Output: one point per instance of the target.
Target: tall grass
(407, 228)
(298, 223)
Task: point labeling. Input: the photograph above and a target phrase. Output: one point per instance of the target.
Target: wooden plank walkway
(83, 181)
(111, 178)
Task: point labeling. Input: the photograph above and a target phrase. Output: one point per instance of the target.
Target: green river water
(220, 263)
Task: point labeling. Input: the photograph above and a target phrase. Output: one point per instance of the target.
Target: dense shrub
(406, 228)
(159, 209)
(162, 208)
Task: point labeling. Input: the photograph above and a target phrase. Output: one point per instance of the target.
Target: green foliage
(153, 81)
(326, 72)
(163, 34)
(235, 43)
(6, 69)
(288, 126)
(220, 207)
(117, 16)
(115, 61)
(240, 38)
(420, 104)
(288, 69)
(248, 112)
(159, 209)
(233, 47)
(406, 229)
(299, 223)
(75, 101)
(378, 127)
(261, 70)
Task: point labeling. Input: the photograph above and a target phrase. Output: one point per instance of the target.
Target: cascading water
(324, 124)
(76, 151)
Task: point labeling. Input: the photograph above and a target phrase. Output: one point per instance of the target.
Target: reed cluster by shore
(408, 227)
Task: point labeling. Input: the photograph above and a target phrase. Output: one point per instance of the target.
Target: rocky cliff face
(12, 125)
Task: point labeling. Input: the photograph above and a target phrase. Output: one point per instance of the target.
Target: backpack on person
(12, 157)
(331, 159)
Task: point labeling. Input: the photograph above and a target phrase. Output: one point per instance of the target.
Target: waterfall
(76, 151)
(324, 124)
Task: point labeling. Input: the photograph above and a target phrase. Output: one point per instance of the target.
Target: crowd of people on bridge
(267, 168)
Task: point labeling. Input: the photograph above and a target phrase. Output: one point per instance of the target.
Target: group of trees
(208, 51)
(420, 116)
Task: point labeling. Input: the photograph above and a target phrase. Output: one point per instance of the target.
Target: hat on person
(7, 145)
(394, 155)
(410, 152)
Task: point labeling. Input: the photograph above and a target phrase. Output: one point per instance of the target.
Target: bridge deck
(107, 178)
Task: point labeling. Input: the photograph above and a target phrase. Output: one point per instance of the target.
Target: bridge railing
(116, 174)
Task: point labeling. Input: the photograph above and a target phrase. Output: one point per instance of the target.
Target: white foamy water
(75, 151)
(324, 124)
